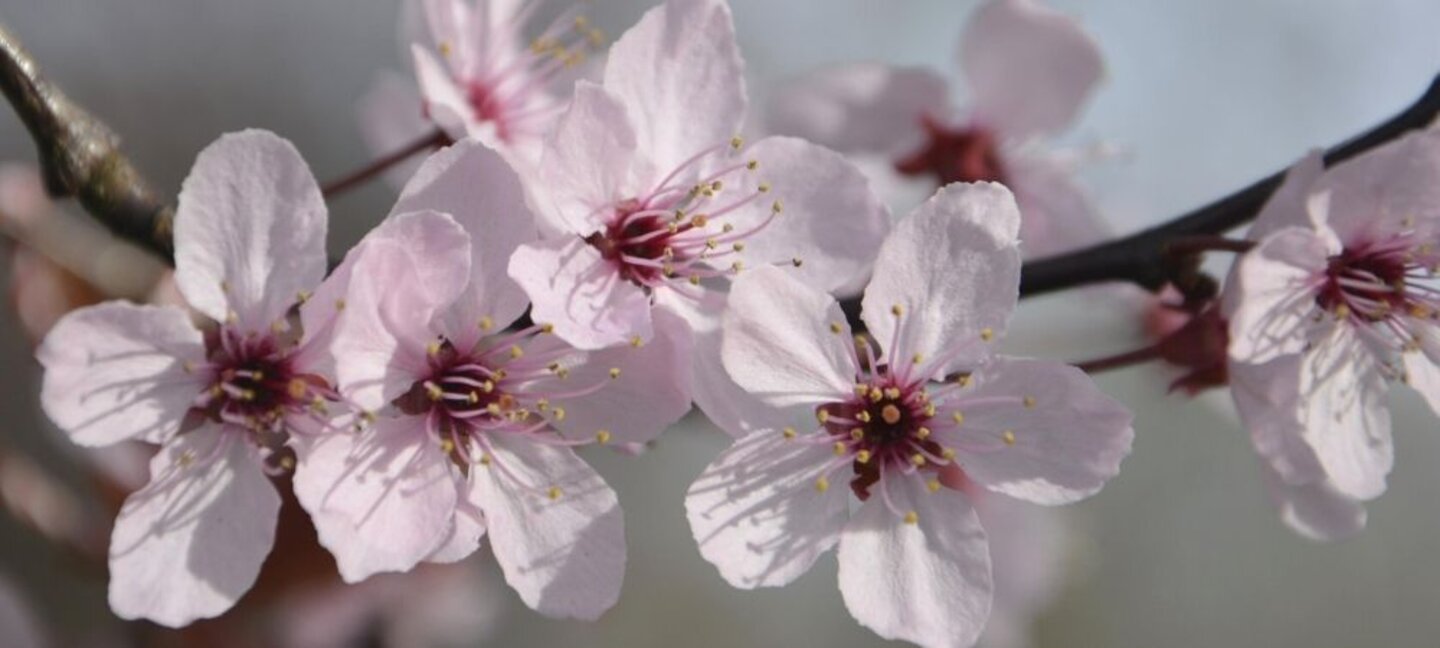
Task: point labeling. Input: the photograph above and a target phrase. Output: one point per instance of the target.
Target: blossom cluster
(595, 249)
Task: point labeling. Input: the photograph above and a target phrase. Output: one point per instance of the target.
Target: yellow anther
(187, 367)
(339, 304)
(789, 432)
(445, 48)
(929, 409)
(547, 328)
(711, 243)
(562, 373)
(727, 228)
(700, 220)
(486, 323)
(224, 286)
(303, 296)
(863, 456)
(752, 165)
(917, 459)
(892, 393)
(516, 352)
(911, 517)
(668, 252)
(667, 269)
(987, 334)
(777, 207)
(876, 394)
(278, 326)
(738, 247)
(186, 459)
(963, 380)
(933, 485)
(506, 402)
(602, 436)
(432, 349)
(297, 388)
(917, 359)
(367, 416)
(863, 417)
(861, 389)
(835, 328)
(822, 415)
(636, 341)
(672, 227)
(1008, 436)
(1029, 401)
(614, 372)
(231, 317)
(897, 310)
(488, 386)
(797, 262)
(922, 433)
(493, 409)
(763, 188)
(822, 484)
(737, 142)
(857, 433)
(559, 413)
(890, 414)
(948, 454)
(737, 266)
(694, 280)
(717, 185)
(485, 459)
(287, 462)
(840, 448)
(473, 397)
(447, 446)
(555, 493)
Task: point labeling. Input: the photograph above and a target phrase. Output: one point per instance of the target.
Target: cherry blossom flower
(657, 197)
(1336, 302)
(914, 562)
(1028, 71)
(222, 399)
(472, 426)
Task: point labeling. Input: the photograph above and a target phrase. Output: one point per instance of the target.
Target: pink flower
(479, 76)
(657, 199)
(1336, 303)
(222, 400)
(472, 425)
(914, 562)
(1028, 70)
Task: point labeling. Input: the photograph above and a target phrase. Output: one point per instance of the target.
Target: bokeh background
(1182, 549)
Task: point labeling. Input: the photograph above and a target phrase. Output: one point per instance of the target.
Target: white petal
(860, 107)
(590, 161)
(953, 267)
(831, 221)
(249, 230)
(445, 102)
(575, 289)
(465, 536)
(1343, 396)
(117, 371)
(477, 187)
(190, 543)
(1029, 68)
(1056, 214)
(564, 555)
(403, 273)
(1062, 446)
(382, 500)
(1316, 510)
(928, 582)
(1288, 206)
(758, 513)
(1267, 397)
(679, 73)
(1386, 190)
(1273, 289)
(780, 341)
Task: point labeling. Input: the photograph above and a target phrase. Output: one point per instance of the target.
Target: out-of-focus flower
(1028, 70)
(19, 627)
(472, 426)
(914, 562)
(1337, 301)
(222, 402)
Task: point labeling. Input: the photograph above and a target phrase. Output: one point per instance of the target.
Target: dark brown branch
(1120, 360)
(1140, 258)
(80, 157)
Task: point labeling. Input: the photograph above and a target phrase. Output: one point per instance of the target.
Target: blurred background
(1182, 549)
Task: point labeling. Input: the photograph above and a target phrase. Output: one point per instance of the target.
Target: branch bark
(80, 157)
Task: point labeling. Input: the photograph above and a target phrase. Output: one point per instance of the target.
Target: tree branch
(1141, 258)
(80, 157)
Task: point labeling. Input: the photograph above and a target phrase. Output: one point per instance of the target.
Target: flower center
(884, 426)
(968, 154)
(681, 230)
(257, 383)
(1370, 284)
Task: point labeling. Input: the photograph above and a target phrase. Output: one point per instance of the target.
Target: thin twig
(80, 157)
(431, 140)
(1120, 360)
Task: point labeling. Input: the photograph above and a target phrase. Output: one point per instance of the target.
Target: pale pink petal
(831, 220)
(650, 394)
(473, 184)
(1030, 552)
(382, 499)
(1066, 438)
(953, 268)
(249, 230)
(1267, 397)
(1274, 296)
(404, 272)
(760, 512)
(1386, 190)
(785, 342)
(1315, 510)
(464, 536)
(391, 116)
(679, 73)
(117, 371)
(1056, 215)
(445, 102)
(555, 525)
(725, 403)
(928, 582)
(1343, 403)
(1288, 207)
(590, 161)
(190, 543)
(1030, 69)
(860, 107)
(575, 289)
(1421, 372)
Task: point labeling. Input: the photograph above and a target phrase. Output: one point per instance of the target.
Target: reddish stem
(431, 140)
